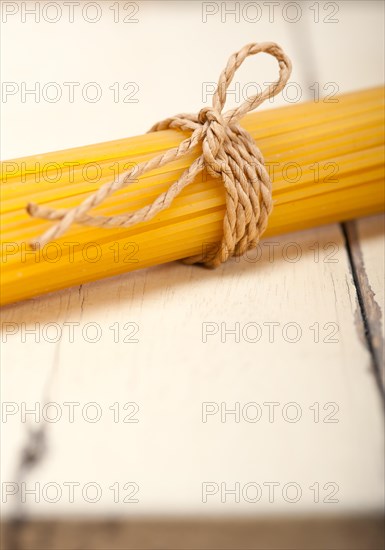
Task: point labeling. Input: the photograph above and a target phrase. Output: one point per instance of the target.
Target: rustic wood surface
(165, 367)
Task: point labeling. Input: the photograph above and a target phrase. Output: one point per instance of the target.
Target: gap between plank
(368, 307)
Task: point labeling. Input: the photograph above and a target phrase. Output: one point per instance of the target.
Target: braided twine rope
(228, 152)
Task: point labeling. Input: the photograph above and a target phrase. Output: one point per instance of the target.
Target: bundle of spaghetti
(325, 159)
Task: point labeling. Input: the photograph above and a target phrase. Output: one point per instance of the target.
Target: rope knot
(208, 114)
(228, 152)
(214, 135)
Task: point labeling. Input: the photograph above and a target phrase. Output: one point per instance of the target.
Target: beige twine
(228, 152)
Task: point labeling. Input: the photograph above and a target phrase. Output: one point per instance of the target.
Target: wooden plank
(353, 533)
(170, 373)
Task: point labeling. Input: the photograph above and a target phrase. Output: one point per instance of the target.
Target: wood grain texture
(170, 452)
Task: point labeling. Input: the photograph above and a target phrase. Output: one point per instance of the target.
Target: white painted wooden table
(177, 407)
